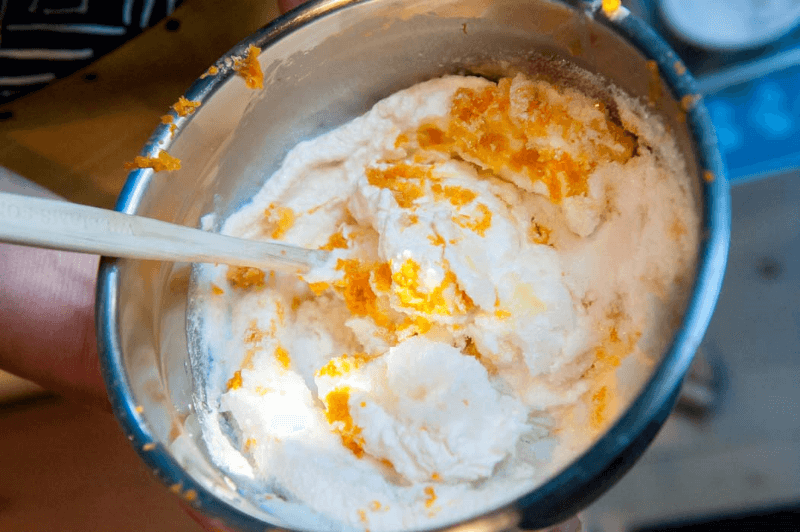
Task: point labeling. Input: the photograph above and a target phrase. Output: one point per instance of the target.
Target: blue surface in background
(758, 124)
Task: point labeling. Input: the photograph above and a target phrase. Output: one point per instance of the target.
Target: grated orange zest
(477, 225)
(245, 278)
(336, 241)
(430, 496)
(282, 356)
(163, 161)
(319, 287)
(357, 291)
(339, 366)
(249, 68)
(457, 196)
(279, 220)
(483, 127)
(406, 181)
(436, 240)
(609, 6)
(337, 412)
(184, 107)
(235, 382)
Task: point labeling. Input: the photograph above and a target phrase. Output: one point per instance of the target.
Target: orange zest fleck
(163, 161)
(609, 6)
(282, 356)
(216, 290)
(478, 225)
(212, 71)
(249, 68)
(336, 241)
(607, 358)
(382, 277)
(185, 107)
(445, 299)
(708, 176)
(436, 240)
(600, 402)
(406, 181)
(279, 310)
(235, 382)
(430, 496)
(296, 302)
(167, 119)
(253, 335)
(430, 135)
(279, 219)
(337, 412)
(457, 196)
(358, 293)
(677, 229)
(339, 366)
(609, 354)
(245, 278)
(319, 287)
(420, 324)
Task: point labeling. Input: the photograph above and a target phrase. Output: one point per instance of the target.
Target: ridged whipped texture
(507, 261)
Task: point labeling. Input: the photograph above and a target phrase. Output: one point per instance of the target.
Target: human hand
(286, 5)
(47, 328)
(47, 320)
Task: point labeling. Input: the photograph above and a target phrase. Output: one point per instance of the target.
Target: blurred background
(82, 86)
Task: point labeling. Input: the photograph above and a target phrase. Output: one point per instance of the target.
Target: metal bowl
(325, 64)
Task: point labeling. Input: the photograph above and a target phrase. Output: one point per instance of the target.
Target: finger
(286, 5)
(47, 332)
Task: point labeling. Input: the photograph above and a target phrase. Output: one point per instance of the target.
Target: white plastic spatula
(72, 227)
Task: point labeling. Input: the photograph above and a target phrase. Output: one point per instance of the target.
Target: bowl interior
(324, 66)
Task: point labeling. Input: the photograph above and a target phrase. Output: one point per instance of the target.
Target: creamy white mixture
(500, 255)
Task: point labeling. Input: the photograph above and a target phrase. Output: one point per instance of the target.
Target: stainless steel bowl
(325, 64)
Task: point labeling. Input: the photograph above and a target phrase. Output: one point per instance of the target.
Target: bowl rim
(657, 392)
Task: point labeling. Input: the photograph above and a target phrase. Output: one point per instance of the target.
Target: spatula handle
(73, 227)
